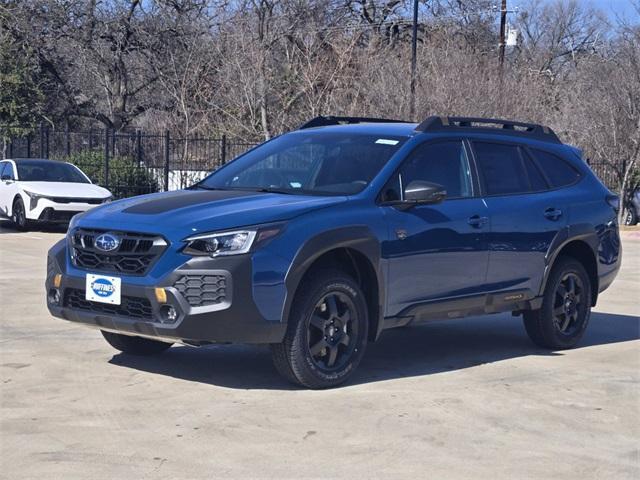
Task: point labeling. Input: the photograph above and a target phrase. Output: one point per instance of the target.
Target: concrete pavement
(470, 398)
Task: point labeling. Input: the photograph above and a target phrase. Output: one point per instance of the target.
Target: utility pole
(414, 47)
(503, 26)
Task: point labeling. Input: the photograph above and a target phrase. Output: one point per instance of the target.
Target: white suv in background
(49, 191)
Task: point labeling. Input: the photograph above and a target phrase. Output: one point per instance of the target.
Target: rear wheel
(327, 332)
(19, 215)
(134, 345)
(566, 307)
(630, 217)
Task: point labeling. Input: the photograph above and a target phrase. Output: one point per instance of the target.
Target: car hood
(66, 189)
(184, 212)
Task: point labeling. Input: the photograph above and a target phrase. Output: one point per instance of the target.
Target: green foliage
(21, 98)
(126, 179)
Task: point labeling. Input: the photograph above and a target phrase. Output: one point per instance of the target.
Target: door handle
(553, 213)
(477, 221)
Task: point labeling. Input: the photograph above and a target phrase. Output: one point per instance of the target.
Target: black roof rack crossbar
(323, 121)
(488, 125)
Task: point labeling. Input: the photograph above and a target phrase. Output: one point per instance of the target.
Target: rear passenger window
(502, 168)
(559, 172)
(536, 179)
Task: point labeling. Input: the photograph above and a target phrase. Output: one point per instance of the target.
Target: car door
(7, 187)
(525, 216)
(436, 252)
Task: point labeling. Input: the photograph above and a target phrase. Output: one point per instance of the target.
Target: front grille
(201, 290)
(51, 215)
(90, 201)
(133, 256)
(132, 307)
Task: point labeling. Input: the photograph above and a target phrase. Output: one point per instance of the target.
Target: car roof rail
(323, 121)
(488, 125)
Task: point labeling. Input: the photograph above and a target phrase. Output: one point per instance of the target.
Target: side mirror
(6, 178)
(419, 192)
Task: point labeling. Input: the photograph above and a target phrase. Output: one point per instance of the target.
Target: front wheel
(19, 215)
(134, 345)
(327, 331)
(566, 307)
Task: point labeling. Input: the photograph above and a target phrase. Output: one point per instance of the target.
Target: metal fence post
(139, 147)
(67, 140)
(223, 150)
(29, 145)
(166, 161)
(46, 142)
(11, 147)
(90, 139)
(106, 158)
(41, 128)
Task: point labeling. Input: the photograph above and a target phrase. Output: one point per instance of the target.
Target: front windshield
(311, 163)
(39, 171)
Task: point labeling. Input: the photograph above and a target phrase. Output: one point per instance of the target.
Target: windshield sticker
(295, 184)
(386, 141)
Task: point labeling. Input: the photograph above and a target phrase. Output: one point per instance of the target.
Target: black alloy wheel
(567, 303)
(562, 319)
(326, 332)
(331, 331)
(19, 216)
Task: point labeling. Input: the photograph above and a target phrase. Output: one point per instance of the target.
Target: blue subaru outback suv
(318, 240)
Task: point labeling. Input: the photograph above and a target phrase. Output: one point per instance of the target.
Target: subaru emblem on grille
(107, 242)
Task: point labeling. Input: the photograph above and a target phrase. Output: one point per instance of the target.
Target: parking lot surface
(470, 398)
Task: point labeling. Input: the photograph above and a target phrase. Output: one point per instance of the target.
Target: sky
(612, 7)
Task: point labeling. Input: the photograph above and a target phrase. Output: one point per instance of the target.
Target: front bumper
(234, 318)
(47, 210)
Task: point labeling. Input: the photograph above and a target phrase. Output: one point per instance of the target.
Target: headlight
(217, 244)
(34, 197)
(108, 199)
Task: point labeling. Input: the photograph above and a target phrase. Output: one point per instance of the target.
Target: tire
(566, 307)
(134, 345)
(630, 217)
(19, 215)
(326, 333)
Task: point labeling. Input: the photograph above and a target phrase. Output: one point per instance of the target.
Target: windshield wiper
(274, 190)
(203, 187)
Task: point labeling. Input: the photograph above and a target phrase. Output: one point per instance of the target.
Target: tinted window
(6, 169)
(48, 171)
(536, 179)
(444, 163)
(502, 168)
(559, 172)
(309, 162)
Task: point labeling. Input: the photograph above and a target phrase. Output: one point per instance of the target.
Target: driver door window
(444, 163)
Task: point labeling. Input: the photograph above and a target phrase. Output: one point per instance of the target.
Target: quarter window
(559, 172)
(502, 168)
(444, 163)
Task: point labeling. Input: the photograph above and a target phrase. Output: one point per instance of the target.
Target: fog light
(54, 296)
(169, 314)
(161, 295)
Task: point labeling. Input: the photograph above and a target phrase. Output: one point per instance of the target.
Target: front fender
(355, 238)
